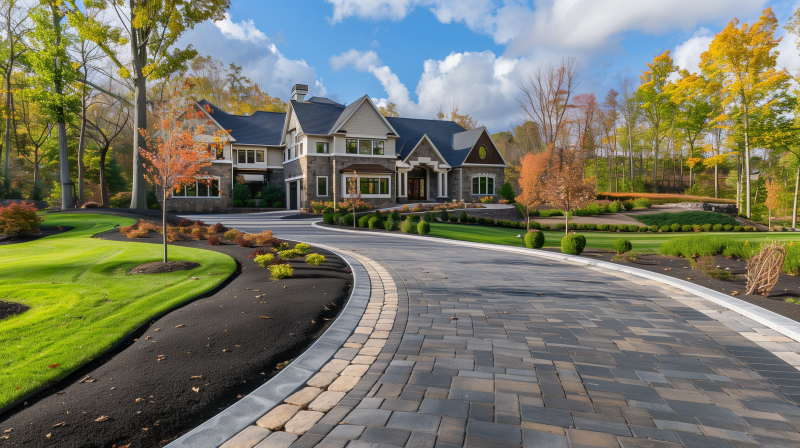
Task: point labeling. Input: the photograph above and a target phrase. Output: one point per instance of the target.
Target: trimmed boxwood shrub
(472, 220)
(363, 221)
(328, 218)
(737, 228)
(633, 228)
(545, 227)
(654, 228)
(454, 218)
(675, 227)
(628, 205)
(347, 220)
(391, 224)
(424, 228)
(408, 226)
(395, 215)
(727, 227)
(534, 239)
(615, 207)
(717, 227)
(622, 245)
(664, 229)
(444, 216)
(573, 244)
(643, 229)
(375, 223)
(464, 217)
(486, 221)
(336, 218)
(591, 226)
(602, 227)
(413, 218)
(686, 228)
(427, 217)
(238, 203)
(707, 227)
(612, 228)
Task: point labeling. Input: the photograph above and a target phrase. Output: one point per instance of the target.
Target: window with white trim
(259, 156)
(352, 146)
(322, 147)
(369, 186)
(198, 190)
(322, 185)
(483, 185)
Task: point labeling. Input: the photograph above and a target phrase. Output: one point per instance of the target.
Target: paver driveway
(497, 349)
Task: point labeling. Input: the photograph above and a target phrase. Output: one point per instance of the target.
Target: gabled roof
(319, 99)
(352, 108)
(316, 118)
(440, 133)
(467, 139)
(261, 128)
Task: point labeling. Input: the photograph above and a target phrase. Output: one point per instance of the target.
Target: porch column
(439, 182)
(444, 181)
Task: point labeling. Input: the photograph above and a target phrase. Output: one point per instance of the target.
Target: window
(322, 148)
(322, 186)
(251, 156)
(352, 146)
(482, 152)
(259, 156)
(198, 190)
(483, 185)
(242, 156)
(374, 185)
(365, 147)
(377, 148)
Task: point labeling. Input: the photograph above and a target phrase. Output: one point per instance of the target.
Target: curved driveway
(501, 349)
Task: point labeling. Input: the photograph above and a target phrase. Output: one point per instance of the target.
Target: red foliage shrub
(185, 223)
(264, 238)
(258, 252)
(275, 242)
(214, 240)
(91, 204)
(218, 228)
(19, 219)
(245, 240)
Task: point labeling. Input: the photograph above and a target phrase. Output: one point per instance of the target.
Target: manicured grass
(82, 299)
(642, 242)
(687, 218)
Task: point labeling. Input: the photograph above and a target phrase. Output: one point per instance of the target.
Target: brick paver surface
(503, 350)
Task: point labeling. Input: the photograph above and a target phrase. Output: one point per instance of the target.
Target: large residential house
(318, 145)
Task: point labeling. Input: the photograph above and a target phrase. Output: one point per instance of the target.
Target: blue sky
(422, 54)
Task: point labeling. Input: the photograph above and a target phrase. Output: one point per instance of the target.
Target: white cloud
(244, 31)
(245, 45)
(360, 60)
(687, 54)
(482, 84)
(554, 24)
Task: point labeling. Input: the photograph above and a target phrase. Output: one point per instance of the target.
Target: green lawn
(81, 299)
(644, 242)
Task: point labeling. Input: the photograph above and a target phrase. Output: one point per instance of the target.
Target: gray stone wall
(466, 181)
(292, 169)
(206, 205)
(343, 162)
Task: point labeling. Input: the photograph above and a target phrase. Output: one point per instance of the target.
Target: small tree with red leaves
(531, 177)
(181, 148)
(566, 188)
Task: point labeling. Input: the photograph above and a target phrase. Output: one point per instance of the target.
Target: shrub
(644, 229)
(444, 216)
(245, 240)
(664, 229)
(602, 227)
(612, 228)
(454, 218)
(695, 246)
(534, 239)
(238, 203)
(615, 207)
(391, 224)
(218, 228)
(463, 217)
(281, 246)
(281, 270)
(737, 228)
(302, 248)
(706, 227)
(347, 220)
(264, 260)
(697, 227)
(272, 194)
(214, 240)
(628, 205)
(654, 228)
(336, 218)
(683, 218)
(363, 221)
(633, 228)
(675, 227)
(740, 249)
(141, 233)
(622, 246)
(424, 228)
(573, 244)
(486, 199)
(590, 226)
(120, 200)
(185, 223)
(428, 217)
(231, 234)
(749, 229)
(727, 227)
(507, 191)
(288, 254)
(277, 204)
(485, 221)
(199, 233)
(315, 259)
(19, 219)
(413, 218)
(327, 218)
(791, 265)
(375, 223)
(395, 215)
(642, 203)
(560, 226)
(545, 227)
(596, 209)
(91, 204)
(717, 228)
(686, 228)
(549, 213)
(241, 193)
(408, 226)
(174, 234)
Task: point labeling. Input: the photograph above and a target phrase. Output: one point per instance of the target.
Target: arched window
(483, 184)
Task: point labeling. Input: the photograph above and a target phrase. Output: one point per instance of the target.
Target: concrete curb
(781, 324)
(246, 411)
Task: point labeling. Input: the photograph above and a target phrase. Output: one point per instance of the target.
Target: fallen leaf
(125, 446)
(139, 400)
(453, 318)
(102, 418)
(735, 293)
(156, 329)
(147, 338)
(179, 326)
(48, 435)
(667, 269)
(53, 366)
(263, 317)
(196, 389)
(8, 431)
(144, 429)
(161, 358)
(256, 290)
(225, 350)
(195, 278)
(59, 424)
(197, 377)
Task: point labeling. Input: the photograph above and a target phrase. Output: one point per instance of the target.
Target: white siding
(274, 157)
(366, 122)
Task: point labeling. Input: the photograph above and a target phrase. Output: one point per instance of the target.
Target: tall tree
(15, 26)
(693, 111)
(531, 172)
(55, 81)
(656, 100)
(745, 59)
(106, 120)
(150, 28)
(628, 104)
(566, 187)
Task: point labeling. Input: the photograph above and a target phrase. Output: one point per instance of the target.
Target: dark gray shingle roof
(440, 132)
(261, 128)
(319, 99)
(317, 118)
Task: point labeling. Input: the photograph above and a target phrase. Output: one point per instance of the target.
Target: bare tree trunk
(794, 203)
(164, 223)
(81, 148)
(747, 161)
(103, 185)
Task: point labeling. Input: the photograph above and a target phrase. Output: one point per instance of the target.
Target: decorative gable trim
(289, 112)
(346, 115)
(425, 137)
(475, 145)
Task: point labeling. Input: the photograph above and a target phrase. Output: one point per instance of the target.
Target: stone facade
(206, 205)
(465, 175)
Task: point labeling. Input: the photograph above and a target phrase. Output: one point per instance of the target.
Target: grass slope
(687, 218)
(81, 299)
(645, 242)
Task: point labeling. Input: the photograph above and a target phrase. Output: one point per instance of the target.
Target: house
(318, 145)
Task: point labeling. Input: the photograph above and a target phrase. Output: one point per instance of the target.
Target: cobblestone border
(769, 319)
(246, 411)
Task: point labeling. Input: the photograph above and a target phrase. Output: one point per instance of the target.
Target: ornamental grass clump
(534, 239)
(302, 248)
(264, 260)
(622, 246)
(573, 244)
(281, 270)
(315, 259)
(424, 228)
(791, 265)
(408, 226)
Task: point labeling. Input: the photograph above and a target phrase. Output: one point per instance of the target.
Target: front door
(416, 189)
(292, 195)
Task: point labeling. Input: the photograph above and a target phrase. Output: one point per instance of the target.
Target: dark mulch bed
(43, 232)
(234, 338)
(787, 286)
(159, 267)
(8, 309)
